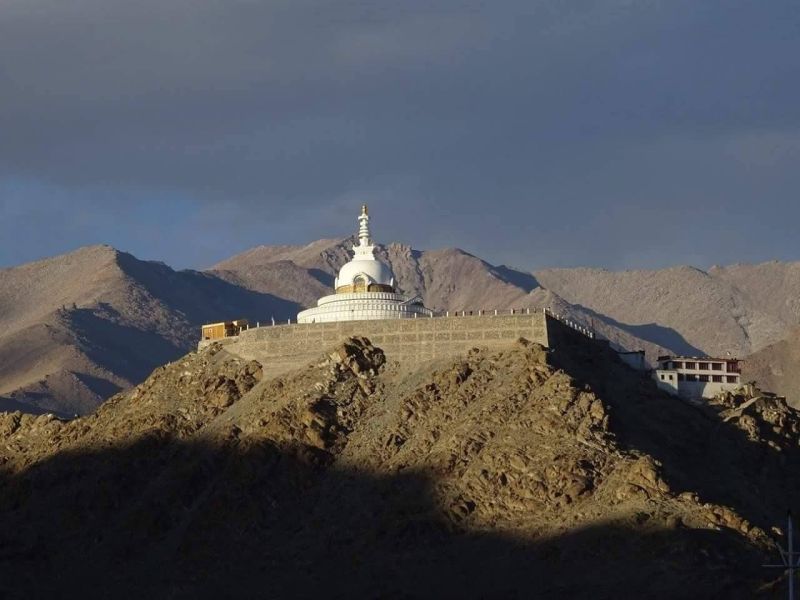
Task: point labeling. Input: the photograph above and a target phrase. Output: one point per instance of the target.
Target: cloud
(464, 112)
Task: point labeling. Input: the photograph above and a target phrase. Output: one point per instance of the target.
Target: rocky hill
(514, 474)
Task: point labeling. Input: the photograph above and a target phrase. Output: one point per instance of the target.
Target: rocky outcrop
(765, 418)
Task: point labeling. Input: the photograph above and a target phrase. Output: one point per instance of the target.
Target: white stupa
(365, 289)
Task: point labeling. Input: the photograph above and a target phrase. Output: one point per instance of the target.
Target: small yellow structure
(218, 331)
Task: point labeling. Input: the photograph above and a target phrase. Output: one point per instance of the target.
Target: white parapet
(364, 306)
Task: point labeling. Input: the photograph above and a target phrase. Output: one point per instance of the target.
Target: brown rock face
(489, 476)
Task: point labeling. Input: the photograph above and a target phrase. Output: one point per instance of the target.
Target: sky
(617, 133)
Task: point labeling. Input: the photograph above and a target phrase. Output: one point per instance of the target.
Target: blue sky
(618, 134)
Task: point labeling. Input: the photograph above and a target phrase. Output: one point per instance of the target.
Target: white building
(694, 378)
(365, 289)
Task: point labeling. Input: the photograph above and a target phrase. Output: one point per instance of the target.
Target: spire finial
(364, 239)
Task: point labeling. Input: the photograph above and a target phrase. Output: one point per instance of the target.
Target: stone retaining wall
(284, 347)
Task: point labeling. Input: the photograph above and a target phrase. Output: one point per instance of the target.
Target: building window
(681, 377)
(677, 365)
(671, 378)
(717, 378)
(662, 377)
(704, 378)
(690, 365)
(733, 379)
(716, 366)
(702, 366)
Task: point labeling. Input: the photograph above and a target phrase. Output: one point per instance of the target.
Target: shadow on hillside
(124, 350)
(12, 405)
(324, 278)
(523, 280)
(699, 451)
(34, 402)
(166, 519)
(102, 387)
(203, 297)
(651, 332)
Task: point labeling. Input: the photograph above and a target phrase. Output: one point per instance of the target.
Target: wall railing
(572, 324)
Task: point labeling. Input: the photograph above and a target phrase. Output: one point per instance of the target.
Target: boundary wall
(282, 348)
(691, 390)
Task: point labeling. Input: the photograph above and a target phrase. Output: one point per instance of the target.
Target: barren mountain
(508, 474)
(448, 279)
(79, 327)
(777, 368)
(76, 328)
(738, 309)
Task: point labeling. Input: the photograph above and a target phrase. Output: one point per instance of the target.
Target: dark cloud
(653, 132)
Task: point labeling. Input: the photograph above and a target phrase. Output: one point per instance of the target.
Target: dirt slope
(512, 474)
(777, 368)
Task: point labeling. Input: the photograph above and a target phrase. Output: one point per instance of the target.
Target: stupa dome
(364, 289)
(364, 273)
(361, 275)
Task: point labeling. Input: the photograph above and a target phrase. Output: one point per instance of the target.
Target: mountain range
(77, 328)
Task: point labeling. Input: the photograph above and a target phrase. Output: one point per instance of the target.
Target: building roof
(233, 322)
(700, 358)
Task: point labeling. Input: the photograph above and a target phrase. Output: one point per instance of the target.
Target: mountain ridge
(110, 320)
(80, 326)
